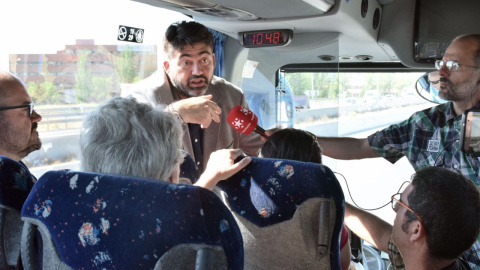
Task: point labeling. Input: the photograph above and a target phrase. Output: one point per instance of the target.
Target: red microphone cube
(242, 119)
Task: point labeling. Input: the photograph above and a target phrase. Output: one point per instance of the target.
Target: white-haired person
(126, 137)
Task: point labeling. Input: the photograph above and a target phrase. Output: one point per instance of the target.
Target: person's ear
(214, 60)
(417, 230)
(175, 176)
(166, 65)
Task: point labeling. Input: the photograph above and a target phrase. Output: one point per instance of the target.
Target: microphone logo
(238, 124)
(245, 111)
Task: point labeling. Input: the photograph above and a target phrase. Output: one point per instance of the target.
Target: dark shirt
(458, 265)
(196, 136)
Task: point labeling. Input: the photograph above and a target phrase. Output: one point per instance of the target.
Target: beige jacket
(156, 90)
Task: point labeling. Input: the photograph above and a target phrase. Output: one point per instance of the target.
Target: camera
(470, 137)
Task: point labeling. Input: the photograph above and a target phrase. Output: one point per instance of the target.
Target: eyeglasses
(396, 200)
(29, 106)
(451, 65)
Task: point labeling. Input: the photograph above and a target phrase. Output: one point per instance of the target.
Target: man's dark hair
(292, 144)
(184, 33)
(449, 205)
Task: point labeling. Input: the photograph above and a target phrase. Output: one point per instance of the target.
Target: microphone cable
(367, 209)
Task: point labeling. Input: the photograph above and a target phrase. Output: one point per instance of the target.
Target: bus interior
(332, 67)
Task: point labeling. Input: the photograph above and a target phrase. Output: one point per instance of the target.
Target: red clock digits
(268, 37)
(276, 37)
(259, 38)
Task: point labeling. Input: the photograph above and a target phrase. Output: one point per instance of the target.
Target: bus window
(348, 104)
(71, 63)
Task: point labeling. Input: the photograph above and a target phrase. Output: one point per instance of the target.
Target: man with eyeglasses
(430, 137)
(434, 80)
(437, 220)
(18, 119)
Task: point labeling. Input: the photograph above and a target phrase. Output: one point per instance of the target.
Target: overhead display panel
(438, 22)
(265, 38)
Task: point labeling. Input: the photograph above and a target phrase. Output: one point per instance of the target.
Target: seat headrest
(268, 191)
(111, 220)
(16, 181)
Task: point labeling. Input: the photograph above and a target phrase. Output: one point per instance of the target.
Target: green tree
(44, 93)
(34, 92)
(126, 67)
(385, 83)
(84, 78)
(299, 82)
(344, 84)
(52, 94)
(102, 88)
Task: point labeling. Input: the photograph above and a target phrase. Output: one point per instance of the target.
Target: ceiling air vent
(212, 9)
(364, 57)
(376, 19)
(225, 12)
(364, 8)
(322, 5)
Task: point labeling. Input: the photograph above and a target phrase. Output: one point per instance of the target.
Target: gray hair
(126, 137)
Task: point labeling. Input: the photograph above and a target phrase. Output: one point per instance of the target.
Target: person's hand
(198, 110)
(221, 166)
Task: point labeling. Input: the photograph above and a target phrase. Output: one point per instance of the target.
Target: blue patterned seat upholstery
(15, 185)
(99, 221)
(290, 214)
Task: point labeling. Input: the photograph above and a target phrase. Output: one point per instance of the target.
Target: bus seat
(15, 184)
(290, 214)
(188, 169)
(100, 221)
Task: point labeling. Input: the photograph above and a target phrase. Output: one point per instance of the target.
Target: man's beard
(22, 151)
(453, 92)
(187, 91)
(34, 143)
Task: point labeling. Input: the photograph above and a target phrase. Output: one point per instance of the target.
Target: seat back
(290, 214)
(100, 221)
(15, 184)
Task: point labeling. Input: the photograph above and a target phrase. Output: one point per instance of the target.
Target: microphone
(244, 121)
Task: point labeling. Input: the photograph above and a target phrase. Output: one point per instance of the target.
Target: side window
(356, 105)
(71, 64)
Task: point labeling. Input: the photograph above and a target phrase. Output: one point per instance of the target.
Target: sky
(47, 26)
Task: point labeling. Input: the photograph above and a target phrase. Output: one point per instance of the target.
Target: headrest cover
(268, 191)
(110, 221)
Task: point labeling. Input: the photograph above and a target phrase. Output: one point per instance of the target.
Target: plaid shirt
(430, 138)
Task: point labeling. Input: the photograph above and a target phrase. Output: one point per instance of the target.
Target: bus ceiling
(413, 32)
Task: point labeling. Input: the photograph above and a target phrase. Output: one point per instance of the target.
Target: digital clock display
(265, 38)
